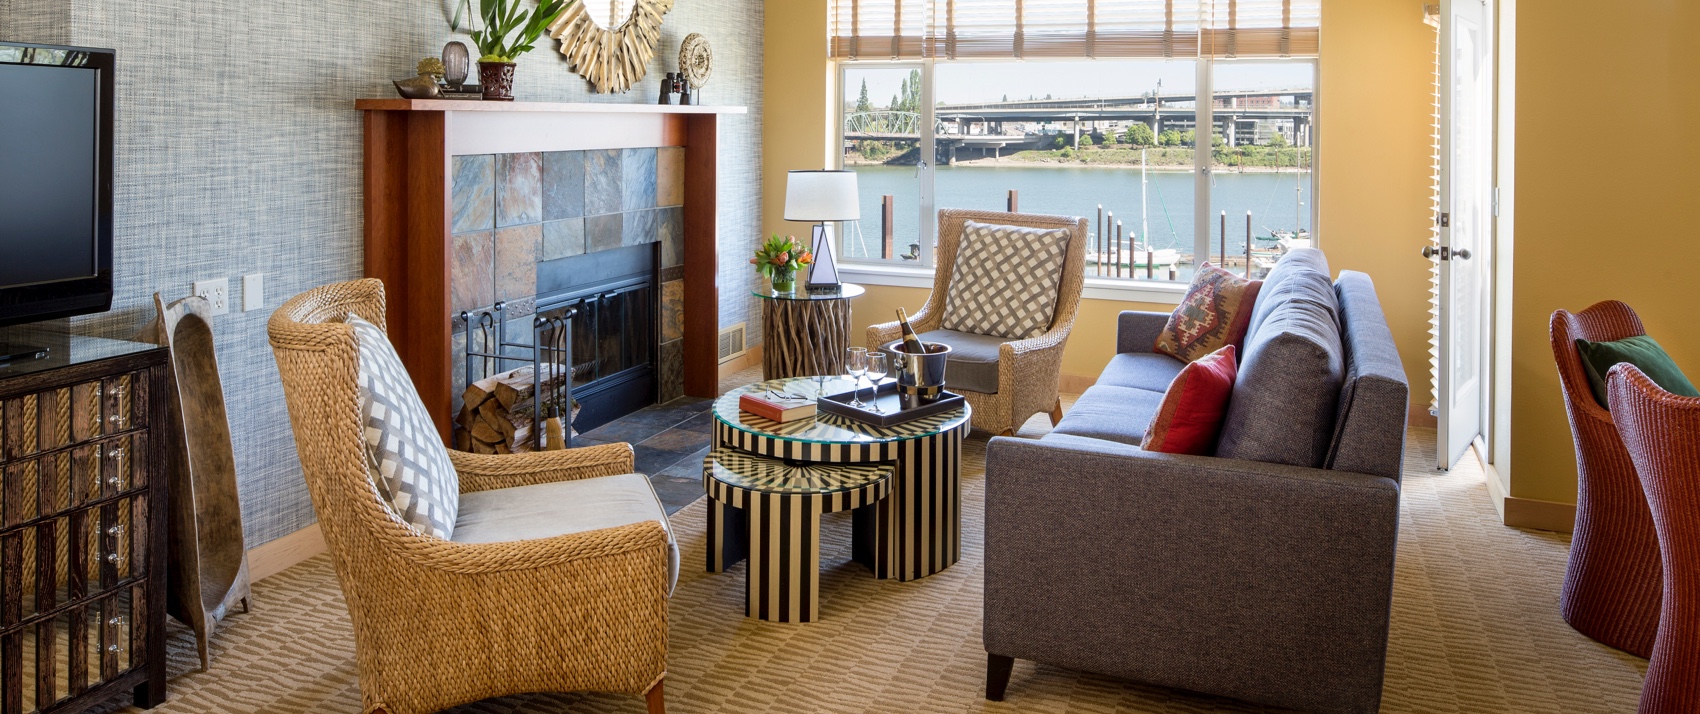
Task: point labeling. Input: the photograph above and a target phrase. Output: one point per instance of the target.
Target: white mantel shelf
(473, 105)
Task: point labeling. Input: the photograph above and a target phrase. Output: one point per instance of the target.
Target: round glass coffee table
(915, 531)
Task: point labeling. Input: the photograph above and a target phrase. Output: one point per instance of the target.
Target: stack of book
(776, 407)
(466, 91)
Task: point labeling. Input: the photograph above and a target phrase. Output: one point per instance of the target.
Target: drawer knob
(115, 481)
(114, 649)
(117, 453)
(115, 531)
(115, 391)
(114, 558)
(118, 621)
(116, 418)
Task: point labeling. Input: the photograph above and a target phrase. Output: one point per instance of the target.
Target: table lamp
(818, 197)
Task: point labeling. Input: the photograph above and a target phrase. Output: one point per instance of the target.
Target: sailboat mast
(1144, 222)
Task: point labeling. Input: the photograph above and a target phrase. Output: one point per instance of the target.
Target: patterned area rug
(1475, 629)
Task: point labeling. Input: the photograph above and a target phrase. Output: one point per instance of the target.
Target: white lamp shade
(822, 196)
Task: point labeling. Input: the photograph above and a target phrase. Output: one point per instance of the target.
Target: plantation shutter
(1073, 29)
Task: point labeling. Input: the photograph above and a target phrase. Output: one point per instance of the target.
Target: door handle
(1430, 252)
(1461, 254)
(1445, 253)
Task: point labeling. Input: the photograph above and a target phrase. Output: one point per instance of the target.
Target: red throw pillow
(1190, 417)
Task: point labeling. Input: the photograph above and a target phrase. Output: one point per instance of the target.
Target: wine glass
(856, 363)
(878, 366)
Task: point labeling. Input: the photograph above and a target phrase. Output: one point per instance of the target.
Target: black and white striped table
(920, 529)
(769, 511)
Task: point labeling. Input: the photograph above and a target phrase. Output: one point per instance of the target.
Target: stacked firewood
(497, 414)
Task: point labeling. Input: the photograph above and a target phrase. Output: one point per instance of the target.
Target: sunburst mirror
(610, 53)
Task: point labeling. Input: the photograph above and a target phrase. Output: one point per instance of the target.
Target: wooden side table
(804, 334)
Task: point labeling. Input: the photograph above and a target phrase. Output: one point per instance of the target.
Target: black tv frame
(80, 296)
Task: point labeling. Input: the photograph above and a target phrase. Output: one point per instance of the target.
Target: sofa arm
(1260, 582)
(1137, 331)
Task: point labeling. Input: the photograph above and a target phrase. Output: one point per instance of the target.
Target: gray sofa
(1263, 573)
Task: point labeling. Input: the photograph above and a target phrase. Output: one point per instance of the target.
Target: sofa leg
(657, 702)
(1056, 412)
(997, 675)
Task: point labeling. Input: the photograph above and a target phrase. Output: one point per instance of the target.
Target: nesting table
(805, 333)
(768, 484)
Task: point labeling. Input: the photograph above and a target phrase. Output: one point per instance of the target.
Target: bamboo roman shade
(1032, 29)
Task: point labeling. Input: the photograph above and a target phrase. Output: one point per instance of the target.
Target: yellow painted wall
(1606, 191)
(1374, 162)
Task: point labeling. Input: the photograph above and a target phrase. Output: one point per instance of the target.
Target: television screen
(49, 182)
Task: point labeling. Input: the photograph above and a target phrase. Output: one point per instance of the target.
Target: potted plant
(497, 50)
(779, 259)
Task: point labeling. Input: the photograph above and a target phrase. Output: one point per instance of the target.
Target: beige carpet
(1475, 629)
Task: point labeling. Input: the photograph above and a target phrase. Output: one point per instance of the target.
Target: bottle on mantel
(912, 344)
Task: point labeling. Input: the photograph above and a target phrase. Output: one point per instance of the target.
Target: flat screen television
(56, 107)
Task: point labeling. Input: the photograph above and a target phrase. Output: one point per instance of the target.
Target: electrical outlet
(217, 293)
(253, 291)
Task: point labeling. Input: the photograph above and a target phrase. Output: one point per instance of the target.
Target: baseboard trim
(282, 554)
(1420, 416)
(750, 358)
(1540, 515)
(1075, 383)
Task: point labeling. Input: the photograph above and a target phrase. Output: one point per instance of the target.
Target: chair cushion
(1006, 280)
(1296, 262)
(546, 510)
(1288, 388)
(407, 459)
(1117, 414)
(1642, 351)
(973, 361)
(1214, 314)
(1141, 370)
(1190, 416)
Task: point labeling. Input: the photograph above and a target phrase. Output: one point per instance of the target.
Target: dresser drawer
(53, 419)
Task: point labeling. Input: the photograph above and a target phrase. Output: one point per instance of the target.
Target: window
(1084, 108)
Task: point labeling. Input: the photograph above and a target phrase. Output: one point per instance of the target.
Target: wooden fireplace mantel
(409, 147)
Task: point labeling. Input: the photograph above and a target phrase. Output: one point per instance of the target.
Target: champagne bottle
(912, 345)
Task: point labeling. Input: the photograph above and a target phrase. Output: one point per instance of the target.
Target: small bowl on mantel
(423, 86)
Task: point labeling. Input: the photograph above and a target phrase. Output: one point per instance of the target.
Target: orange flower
(782, 259)
(806, 258)
(753, 261)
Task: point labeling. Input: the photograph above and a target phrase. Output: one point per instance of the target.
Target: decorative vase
(784, 281)
(498, 80)
(455, 60)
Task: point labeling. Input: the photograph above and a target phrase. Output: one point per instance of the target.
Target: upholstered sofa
(1263, 573)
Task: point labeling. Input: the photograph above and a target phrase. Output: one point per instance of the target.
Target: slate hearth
(518, 216)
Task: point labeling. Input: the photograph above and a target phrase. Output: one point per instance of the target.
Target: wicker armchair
(1028, 370)
(440, 623)
(1611, 583)
(1662, 432)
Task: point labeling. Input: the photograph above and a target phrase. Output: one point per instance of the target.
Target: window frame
(878, 272)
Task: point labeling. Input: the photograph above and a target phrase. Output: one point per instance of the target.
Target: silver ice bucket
(920, 376)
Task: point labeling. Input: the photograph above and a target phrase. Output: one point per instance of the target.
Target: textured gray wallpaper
(239, 152)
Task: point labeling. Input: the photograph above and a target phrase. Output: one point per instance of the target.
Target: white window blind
(1027, 29)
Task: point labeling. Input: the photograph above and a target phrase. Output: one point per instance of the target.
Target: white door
(1466, 221)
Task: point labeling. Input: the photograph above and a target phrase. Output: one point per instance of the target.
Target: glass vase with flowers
(779, 259)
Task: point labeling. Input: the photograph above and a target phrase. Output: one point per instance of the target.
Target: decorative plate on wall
(611, 60)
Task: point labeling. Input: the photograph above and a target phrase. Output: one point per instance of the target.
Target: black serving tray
(890, 402)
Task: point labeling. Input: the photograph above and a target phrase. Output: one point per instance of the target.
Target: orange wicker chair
(439, 623)
(1662, 433)
(1611, 585)
(1029, 371)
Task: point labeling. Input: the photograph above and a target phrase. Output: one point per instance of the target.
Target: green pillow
(1642, 351)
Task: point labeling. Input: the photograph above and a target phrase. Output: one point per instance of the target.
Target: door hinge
(1496, 202)
(1445, 220)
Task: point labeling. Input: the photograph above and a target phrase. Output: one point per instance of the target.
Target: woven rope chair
(437, 623)
(1028, 370)
(1611, 583)
(1662, 433)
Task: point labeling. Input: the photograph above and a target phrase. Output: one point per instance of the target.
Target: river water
(1078, 191)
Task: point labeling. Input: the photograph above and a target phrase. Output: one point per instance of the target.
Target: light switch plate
(253, 291)
(217, 293)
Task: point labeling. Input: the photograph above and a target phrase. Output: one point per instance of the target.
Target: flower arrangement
(779, 259)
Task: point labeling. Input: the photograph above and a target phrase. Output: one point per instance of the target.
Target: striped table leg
(784, 574)
(728, 536)
(925, 513)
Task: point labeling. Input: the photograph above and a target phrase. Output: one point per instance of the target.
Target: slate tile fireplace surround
(530, 199)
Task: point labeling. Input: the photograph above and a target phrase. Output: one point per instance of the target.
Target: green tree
(1087, 140)
(1169, 137)
(1189, 138)
(1278, 140)
(864, 106)
(1140, 135)
(1062, 141)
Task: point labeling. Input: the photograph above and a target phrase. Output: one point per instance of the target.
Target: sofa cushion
(1190, 416)
(1288, 387)
(1111, 413)
(973, 361)
(1141, 370)
(1302, 261)
(546, 510)
(1215, 312)
(1369, 432)
(404, 454)
(1006, 281)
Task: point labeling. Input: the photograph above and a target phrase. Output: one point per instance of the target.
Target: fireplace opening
(615, 331)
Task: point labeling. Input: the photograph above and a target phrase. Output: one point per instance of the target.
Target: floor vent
(732, 343)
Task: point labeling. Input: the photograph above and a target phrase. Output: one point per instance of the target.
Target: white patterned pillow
(1006, 281)
(407, 459)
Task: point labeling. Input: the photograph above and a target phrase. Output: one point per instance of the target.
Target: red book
(780, 410)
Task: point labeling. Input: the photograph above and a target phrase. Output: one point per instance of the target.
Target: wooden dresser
(82, 524)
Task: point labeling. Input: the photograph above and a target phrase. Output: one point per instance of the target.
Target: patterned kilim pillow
(1214, 314)
(407, 459)
(1006, 281)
